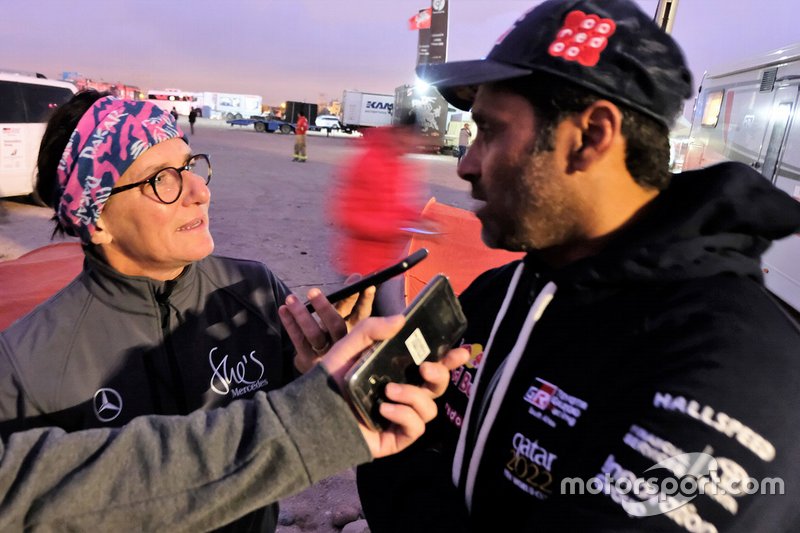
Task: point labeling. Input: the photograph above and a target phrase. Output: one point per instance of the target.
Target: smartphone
(434, 322)
(375, 279)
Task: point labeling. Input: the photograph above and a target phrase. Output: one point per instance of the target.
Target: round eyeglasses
(167, 183)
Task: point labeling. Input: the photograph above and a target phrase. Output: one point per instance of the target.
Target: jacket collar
(134, 294)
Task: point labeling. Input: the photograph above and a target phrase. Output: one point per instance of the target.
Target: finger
(417, 398)
(331, 323)
(455, 358)
(310, 328)
(345, 307)
(407, 426)
(437, 375)
(344, 352)
(291, 327)
(363, 306)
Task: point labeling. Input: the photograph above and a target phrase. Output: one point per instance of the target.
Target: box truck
(363, 110)
(292, 108)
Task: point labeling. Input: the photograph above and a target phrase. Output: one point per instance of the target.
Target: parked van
(26, 103)
(749, 113)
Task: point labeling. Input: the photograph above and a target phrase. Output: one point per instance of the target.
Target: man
(631, 373)
(300, 130)
(464, 137)
(202, 471)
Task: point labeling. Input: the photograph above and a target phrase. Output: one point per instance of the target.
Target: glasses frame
(152, 179)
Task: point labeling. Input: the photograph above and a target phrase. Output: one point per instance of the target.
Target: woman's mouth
(196, 223)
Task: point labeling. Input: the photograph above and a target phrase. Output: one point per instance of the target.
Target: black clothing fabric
(664, 349)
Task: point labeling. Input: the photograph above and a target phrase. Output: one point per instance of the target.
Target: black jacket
(664, 348)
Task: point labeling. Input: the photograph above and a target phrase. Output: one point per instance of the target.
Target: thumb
(346, 351)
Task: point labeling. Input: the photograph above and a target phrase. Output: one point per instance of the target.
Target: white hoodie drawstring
(506, 371)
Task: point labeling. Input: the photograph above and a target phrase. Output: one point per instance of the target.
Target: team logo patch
(107, 404)
(550, 404)
(582, 38)
(529, 467)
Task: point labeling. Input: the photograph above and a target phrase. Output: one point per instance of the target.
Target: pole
(665, 14)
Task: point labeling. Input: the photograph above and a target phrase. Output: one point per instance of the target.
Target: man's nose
(469, 167)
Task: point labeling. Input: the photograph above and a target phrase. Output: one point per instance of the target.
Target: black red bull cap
(610, 47)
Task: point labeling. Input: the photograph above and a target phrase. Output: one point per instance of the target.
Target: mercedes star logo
(107, 404)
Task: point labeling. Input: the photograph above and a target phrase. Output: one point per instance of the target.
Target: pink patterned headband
(107, 140)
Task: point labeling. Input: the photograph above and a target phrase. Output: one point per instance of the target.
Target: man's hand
(412, 406)
(313, 338)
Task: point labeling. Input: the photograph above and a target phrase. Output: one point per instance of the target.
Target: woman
(154, 324)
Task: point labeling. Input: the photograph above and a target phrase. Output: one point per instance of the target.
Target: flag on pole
(421, 20)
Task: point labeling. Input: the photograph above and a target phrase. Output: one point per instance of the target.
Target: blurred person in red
(376, 203)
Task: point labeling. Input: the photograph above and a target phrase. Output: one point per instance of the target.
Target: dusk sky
(314, 49)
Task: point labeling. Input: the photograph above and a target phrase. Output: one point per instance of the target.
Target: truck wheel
(285, 128)
(260, 127)
(238, 116)
(229, 116)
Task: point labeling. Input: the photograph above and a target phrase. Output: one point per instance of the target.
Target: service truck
(748, 112)
(366, 110)
(431, 109)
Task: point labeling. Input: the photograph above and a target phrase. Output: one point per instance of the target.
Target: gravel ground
(267, 208)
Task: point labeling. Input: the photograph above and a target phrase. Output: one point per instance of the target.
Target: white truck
(748, 112)
(360, 110)
(228, 106)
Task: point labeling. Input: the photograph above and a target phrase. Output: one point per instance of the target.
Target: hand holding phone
(434, 322)
(375, 279)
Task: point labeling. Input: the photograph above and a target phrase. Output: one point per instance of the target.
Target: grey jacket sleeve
(174, 473)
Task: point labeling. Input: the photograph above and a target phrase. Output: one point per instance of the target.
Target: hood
(707, 222)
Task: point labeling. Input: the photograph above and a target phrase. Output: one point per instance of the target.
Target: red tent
(29, 280)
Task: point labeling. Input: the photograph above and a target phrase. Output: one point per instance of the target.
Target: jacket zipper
(179, 391)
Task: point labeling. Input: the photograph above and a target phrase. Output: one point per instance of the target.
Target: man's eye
(161, 176)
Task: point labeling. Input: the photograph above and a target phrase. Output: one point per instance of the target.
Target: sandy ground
(266, 207)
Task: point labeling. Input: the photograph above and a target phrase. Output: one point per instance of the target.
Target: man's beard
(538, 210)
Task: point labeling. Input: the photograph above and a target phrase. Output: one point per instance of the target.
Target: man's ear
(600, 127)
(101, 235)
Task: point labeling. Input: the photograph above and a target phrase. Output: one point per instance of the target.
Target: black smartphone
(434, 322)
(375, 279)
